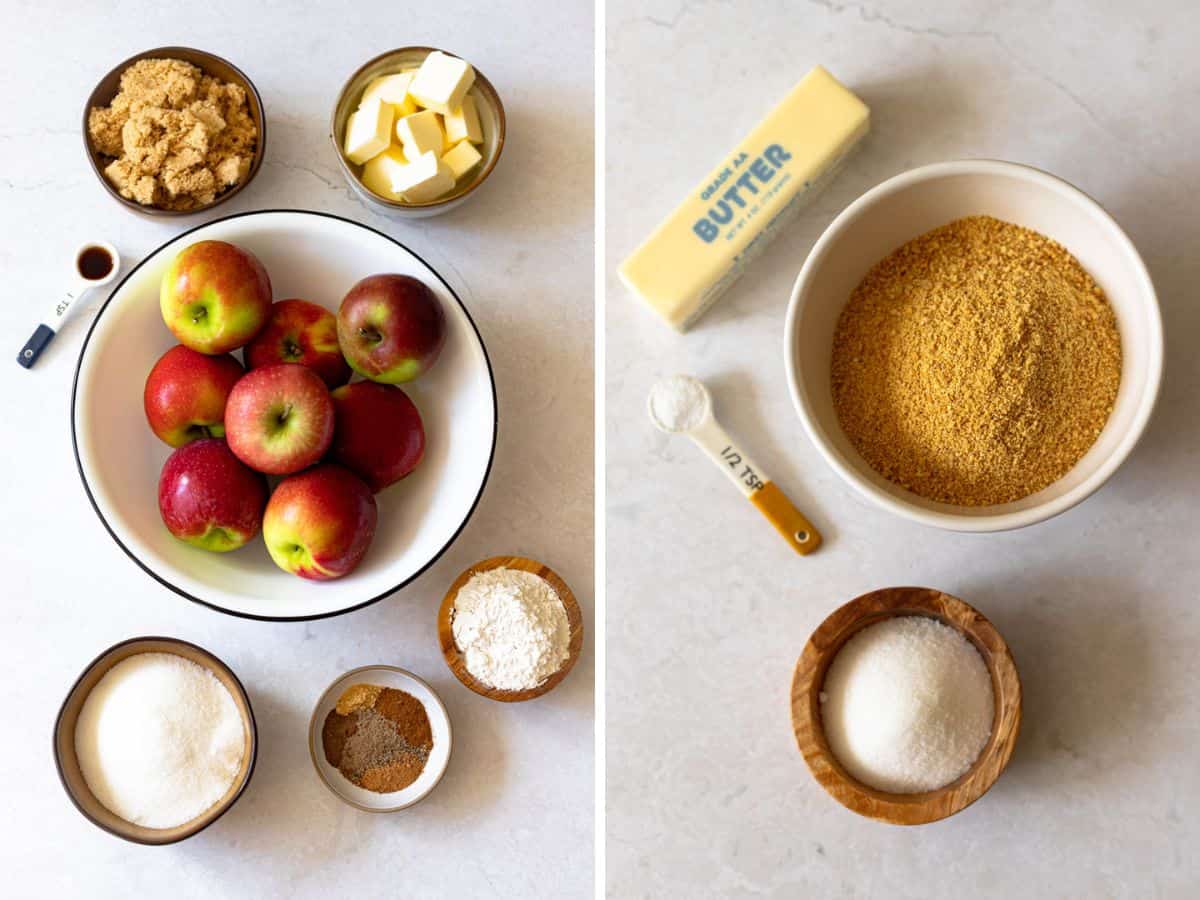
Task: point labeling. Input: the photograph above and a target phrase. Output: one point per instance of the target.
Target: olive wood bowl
(209, 64)
(67, 762)
(809, 677)
(457, 662)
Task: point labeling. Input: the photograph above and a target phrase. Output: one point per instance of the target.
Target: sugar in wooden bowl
(906, 705)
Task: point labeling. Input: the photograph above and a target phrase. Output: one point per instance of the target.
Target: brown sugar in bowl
(824, 644)
(209, 64)
(458, 663)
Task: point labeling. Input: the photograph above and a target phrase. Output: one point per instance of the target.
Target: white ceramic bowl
(317, 257)
(435, 766)
(914, 202)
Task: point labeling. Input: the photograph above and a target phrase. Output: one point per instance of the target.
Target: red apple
(208, 498)
(377, 432)
(215, 296)
(186, 392)
(391, 328)
(279, 419)
(300, 332)
(319, 524)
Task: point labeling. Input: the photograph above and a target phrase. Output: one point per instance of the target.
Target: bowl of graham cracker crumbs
(174, 131)
(974, 345)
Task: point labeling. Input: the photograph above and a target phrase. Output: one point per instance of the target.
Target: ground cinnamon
(378, 737)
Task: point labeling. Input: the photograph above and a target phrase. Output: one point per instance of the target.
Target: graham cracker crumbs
(178, 137)
(976, 364)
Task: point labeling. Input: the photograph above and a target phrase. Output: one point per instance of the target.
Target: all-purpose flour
(159, 740)
(511, 627)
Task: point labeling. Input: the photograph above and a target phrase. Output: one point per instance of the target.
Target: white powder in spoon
(678, 403)
(907, 705)
(511, 627)
(159, 740)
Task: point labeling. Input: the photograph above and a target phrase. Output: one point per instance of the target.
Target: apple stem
(370, 334)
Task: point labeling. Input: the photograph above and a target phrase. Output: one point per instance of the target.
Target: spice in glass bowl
(379, 738)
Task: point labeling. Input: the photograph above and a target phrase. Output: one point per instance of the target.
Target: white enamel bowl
(317, 257)
(435, 766)
(914, 202)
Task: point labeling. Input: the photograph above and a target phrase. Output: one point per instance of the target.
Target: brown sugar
(976, 364)
(378, 737)
(177, 137)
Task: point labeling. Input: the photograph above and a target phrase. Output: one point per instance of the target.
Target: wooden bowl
(68, 764)
(458, 663)
(208, 63)
(822, 647)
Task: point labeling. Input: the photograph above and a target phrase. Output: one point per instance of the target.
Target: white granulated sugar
(511, 627)
(159, 740)
(678, 403)
(907, 705)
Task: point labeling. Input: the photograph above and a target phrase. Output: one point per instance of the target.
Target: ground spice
(976, 364)
(378, 737)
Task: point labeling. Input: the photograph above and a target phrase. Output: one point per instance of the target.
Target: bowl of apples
(283, 415)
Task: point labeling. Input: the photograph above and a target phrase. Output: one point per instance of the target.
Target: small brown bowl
(822, 647)
(68, 764)
(210, 65)
(491, 118)
(455, 659)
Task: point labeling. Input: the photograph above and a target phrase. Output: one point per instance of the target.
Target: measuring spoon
(96, 264)
(695, 419)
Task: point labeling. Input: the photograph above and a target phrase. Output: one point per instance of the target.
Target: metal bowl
(491, 119)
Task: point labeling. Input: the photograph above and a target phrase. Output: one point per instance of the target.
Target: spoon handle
(756, 486)
(49, 326)
(33, 348)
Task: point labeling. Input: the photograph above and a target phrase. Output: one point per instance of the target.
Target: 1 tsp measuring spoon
(96, 264)
(682, 404)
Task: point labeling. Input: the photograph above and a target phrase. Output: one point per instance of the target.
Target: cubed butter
(461, 158)
(392, 89)
(703, 246)
(442, 82)
(368, 131)
(379, 172)
(425, 178)
(420, 133)
(462, 124)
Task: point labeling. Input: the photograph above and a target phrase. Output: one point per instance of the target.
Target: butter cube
(442, 82)
(368, 131)
(425, 178)
(392, 89)
(420, 133)
(462, 124)
(380, 170)
(461, 158)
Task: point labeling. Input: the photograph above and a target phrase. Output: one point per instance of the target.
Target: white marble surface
(514, 815)
(708, 610)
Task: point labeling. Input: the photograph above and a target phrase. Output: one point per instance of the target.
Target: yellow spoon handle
(788, 521)
(756, 486)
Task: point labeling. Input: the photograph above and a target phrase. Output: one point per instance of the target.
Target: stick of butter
(702, 247)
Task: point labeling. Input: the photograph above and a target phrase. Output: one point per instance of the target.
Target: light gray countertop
(514, 814)
(708, 610)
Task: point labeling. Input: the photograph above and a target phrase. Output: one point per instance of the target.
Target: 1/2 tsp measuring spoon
(89, 272)
(681, 404)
